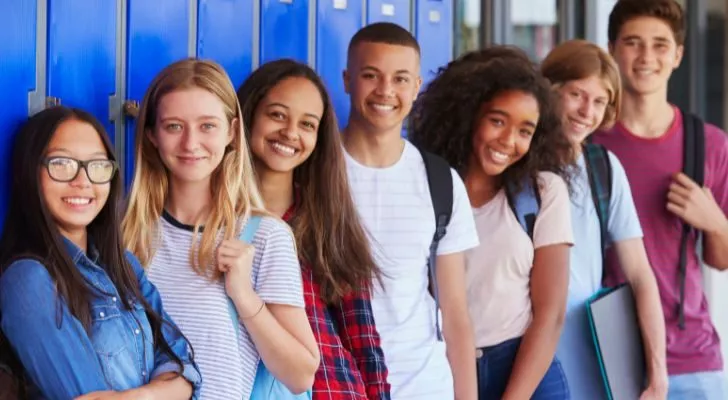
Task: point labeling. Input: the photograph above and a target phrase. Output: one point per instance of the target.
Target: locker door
(82, 55)
(157, 36)
(17, 79)
(338, 21)
(225, 34)
(396, 11)
(434, 22)
(283, 30)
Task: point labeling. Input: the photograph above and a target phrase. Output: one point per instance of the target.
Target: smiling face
(382, 81)
(646, 52)
(286, 123)
(191, 134)
(503, 134)
(583, 105)
(73, 205)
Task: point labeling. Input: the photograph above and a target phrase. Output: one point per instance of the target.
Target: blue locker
(337, 21)
(283, 30)
(225, 34)
(157, 36)
(17, 78)
(82, 55)
(396, 11)
(434, 26)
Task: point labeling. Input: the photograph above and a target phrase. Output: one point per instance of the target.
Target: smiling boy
(390, 188)
(646, 38)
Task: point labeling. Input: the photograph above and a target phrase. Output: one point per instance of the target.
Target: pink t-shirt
(649, 164)
(498, 271)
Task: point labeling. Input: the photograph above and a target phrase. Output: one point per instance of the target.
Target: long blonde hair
(233, 185)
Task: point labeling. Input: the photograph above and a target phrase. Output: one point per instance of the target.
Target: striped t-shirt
(199, 306)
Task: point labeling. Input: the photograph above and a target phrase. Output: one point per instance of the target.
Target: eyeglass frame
(80, 165)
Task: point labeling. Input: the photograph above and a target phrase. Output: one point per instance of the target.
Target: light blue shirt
(576, 346)
(62, 359)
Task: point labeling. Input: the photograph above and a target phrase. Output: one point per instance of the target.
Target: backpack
(439, 180)
(694, 168)
(526, 203)
(265, 386)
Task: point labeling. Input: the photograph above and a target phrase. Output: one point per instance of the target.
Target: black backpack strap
(439, 179)
(694, 168)
(599, 171)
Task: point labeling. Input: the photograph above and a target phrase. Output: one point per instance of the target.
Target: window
(535, 26)
(467, 26)
(716, 69)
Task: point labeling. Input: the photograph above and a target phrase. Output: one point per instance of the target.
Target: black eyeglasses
(65, 169)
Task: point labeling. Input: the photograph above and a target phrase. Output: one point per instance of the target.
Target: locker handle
(131, 108)
(52, 101)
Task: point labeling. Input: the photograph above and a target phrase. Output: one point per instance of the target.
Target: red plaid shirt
(352, 361)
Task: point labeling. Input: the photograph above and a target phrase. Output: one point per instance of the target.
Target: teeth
(643, 71)
(287, 150)
(498, 156)
(579, 125)
(77, 200)
(383, 107)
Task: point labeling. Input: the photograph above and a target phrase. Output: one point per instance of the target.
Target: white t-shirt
(200, 307)
(396, 209)
(498, 271)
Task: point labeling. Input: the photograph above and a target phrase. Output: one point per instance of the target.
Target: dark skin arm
(549, 286)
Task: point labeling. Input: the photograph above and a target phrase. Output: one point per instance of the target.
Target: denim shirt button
(101, 314)
(113, 299)
(136, 331)
(144, 373)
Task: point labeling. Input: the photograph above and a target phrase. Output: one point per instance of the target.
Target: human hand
(694, 204)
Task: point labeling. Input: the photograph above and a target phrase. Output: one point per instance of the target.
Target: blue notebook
(618, 342)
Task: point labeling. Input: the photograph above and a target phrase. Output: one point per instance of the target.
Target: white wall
(604, 7)
(716, 288)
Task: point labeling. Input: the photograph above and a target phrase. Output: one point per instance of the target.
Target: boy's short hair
(668, 11)
(383, 32)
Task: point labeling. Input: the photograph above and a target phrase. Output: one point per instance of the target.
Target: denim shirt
(62, 360)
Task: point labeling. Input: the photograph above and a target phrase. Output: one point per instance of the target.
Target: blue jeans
(494, 369)
(698, 386)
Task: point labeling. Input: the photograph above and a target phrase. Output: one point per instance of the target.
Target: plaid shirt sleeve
(355, 322)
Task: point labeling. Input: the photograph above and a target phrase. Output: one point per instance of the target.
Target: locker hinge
(52, 101)
(131, 108)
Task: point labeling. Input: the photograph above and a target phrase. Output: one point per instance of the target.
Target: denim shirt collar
(77, 254)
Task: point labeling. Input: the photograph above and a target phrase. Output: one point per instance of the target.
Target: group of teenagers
(256, 235)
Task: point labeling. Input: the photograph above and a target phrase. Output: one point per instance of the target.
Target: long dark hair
(444, 116)
(30, 231)
(328, 231)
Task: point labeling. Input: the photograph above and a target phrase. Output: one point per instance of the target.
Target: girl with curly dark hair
(492, 116)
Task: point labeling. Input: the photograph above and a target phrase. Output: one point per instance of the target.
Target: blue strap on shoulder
(525, 204)
(246, 236)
